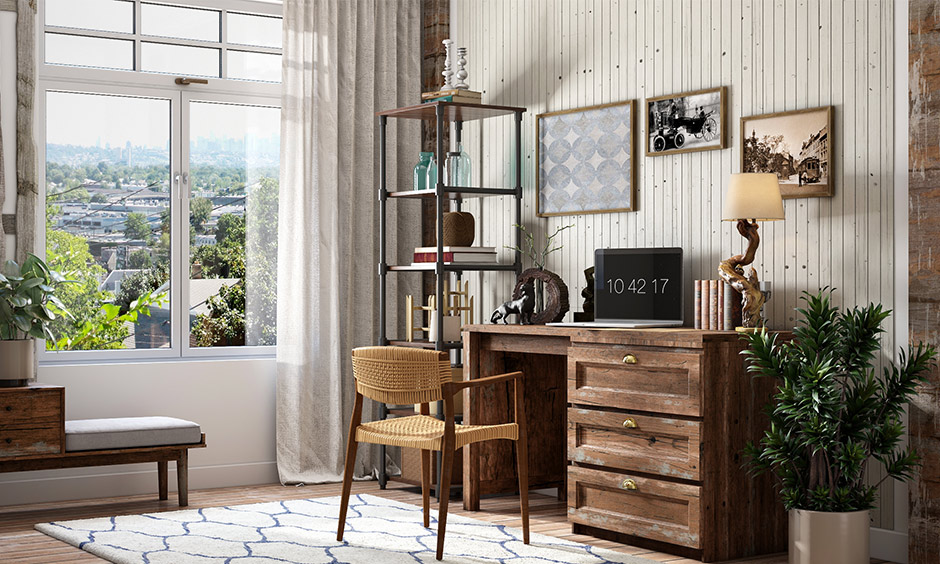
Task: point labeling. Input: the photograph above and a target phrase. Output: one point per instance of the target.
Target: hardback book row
(717, 306)
(457, 255)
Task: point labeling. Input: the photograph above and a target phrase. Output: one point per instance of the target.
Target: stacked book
(456, 255)
(454, 95)
(717, 306)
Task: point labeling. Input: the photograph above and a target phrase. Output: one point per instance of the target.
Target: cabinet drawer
(635, 442)
(656, 509)
(642, 379)
(38, 440)
(33, 406)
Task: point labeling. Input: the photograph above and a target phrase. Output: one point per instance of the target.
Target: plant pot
(821, 537)
(16, 362)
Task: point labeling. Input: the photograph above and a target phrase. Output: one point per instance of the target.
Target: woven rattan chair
(400, 375)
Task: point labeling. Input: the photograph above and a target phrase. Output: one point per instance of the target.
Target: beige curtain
(27, 188)
(343, 61)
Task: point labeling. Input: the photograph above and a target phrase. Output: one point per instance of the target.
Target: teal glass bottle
(421, 171)
(432, 173)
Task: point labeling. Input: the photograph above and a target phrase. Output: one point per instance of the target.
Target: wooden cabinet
(32, 420)
(655, 435)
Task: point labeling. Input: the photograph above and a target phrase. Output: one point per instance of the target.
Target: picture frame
(687, 122)
(586, 160)
(768, 142)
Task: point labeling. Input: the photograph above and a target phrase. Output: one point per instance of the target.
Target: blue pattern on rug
(378, 531)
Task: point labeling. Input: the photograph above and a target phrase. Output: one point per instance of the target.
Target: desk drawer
(636, 378)
(38, 440)
(656, 509)
(635, 442)
(32, 406)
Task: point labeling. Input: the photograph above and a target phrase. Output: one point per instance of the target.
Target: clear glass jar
(457, 167)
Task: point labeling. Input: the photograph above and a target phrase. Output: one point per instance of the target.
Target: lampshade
(753, 195)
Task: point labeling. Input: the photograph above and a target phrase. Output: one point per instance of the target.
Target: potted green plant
(830, 416)
(26, 293)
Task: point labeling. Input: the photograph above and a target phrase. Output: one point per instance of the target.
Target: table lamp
(750, 197)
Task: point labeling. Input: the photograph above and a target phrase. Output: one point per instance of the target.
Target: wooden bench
(33, 437)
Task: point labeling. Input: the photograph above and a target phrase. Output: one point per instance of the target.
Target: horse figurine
(524, 306)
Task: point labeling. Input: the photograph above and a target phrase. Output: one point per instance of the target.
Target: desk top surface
(673, 336)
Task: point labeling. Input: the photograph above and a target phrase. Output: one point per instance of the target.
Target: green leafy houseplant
(27, 299)
(831, 413)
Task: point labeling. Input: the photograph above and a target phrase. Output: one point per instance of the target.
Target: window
(161, 198)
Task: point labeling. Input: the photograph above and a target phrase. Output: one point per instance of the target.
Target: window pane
(234, 163)
(254, 66)
(108, 217)
(178, 59)
(184, 23)
(103, 15)
(89, 51)
(261, 31)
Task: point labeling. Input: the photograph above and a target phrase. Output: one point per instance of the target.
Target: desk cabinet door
(633, 505)
(638, 378)
(637, 442)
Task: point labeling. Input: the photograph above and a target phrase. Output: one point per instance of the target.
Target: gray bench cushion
(128, 432)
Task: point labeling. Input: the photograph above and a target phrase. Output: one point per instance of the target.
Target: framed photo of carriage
(687, 122)
(795, 145)
(585, 160)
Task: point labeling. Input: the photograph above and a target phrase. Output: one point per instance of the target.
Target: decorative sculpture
(461, 73)
(522, 304)
(587, 313)
(448, 73)
(731, 271)
(555, 294)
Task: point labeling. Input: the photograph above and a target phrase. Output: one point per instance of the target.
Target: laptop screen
(638, 284)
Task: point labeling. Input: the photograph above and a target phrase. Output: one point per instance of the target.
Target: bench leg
(161, 479)
(182, 477)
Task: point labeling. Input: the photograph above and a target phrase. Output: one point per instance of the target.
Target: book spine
(698, 304)
(713, 324)
(729, 307)
(432, 257)
(720, 326)
(706, 305)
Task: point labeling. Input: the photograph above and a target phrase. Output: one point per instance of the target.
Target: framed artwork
(585, 160)
(687, 122)
(796, 145)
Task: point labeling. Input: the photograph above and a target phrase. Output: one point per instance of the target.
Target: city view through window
(108, 221)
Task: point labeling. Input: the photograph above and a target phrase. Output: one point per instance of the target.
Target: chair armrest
(451, 388)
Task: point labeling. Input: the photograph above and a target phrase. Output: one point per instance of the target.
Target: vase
(432, 173)
(458, 229)
(829, 536)
(421, 171)
(16, 369)
(457, 167)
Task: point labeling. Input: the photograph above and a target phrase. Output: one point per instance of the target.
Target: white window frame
(51, 77)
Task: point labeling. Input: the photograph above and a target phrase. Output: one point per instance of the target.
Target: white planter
(16, 362)
(820, 537)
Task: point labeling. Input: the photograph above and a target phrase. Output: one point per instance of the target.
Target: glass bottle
(431, 175)
(457, 167)
(421, 171)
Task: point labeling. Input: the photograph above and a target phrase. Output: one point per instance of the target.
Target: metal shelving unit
(455, 114)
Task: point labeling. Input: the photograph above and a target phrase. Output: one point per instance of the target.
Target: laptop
(636, 288)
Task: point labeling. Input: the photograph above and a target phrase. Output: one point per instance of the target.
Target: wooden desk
(641, 429)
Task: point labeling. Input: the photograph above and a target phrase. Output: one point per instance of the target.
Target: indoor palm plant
(830, 416)
(27, 306)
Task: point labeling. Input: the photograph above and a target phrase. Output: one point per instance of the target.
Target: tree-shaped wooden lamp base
(731, 271)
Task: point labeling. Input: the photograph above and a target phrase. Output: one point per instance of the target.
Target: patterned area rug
(378, 531)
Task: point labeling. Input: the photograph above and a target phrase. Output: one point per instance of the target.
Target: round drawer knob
(9, 408)
(628, 484)
(629, 359)
(9, 441)
(629, 423)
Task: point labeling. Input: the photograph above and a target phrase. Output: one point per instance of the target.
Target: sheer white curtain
(343, 61)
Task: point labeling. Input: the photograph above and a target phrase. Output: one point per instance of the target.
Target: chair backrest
(400, 375)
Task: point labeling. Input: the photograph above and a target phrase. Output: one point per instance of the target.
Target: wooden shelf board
(455, 192)
(430, 267)
(425, 344)
(453, 111)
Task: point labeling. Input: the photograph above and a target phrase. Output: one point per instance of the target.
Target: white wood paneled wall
(773, 55)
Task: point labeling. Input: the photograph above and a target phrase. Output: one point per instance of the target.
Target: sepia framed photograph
(686, 122)
(585, 160)
(796, 146)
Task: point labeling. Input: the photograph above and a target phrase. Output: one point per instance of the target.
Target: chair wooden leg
(351, 447)
(522, 460)
(444, 489)
(182, 477)
(162, 479)
(426, 486)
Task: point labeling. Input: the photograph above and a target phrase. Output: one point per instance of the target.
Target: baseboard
(132, 479)
(889, 545)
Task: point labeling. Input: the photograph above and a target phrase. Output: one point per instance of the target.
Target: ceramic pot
(16, 362)
(458, 229)
(822, 537)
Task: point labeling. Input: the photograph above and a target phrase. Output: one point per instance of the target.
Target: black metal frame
(441, 193)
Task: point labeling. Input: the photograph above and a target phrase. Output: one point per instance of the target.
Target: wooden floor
(21, 544)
